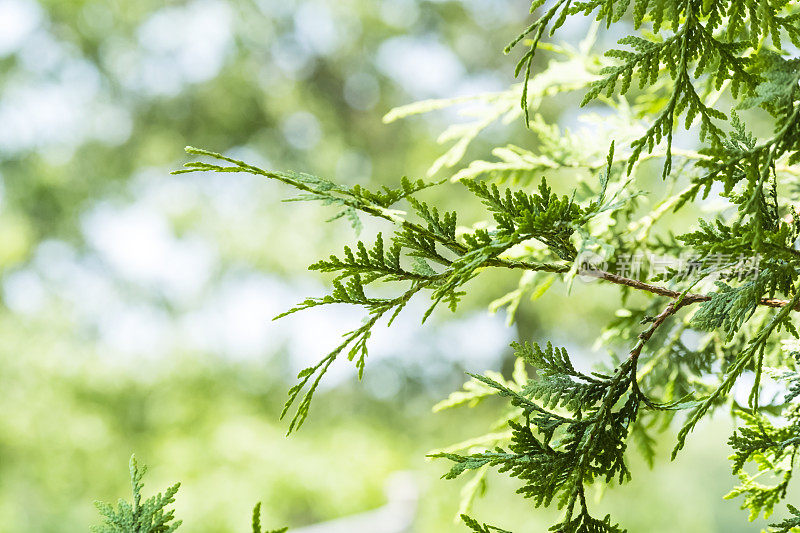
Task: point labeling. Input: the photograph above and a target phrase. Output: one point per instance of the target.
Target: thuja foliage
(257, 522)
(685, 335)
(153, 515)
(150, 516)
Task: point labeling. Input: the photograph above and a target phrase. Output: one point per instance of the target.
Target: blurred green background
(136, 306)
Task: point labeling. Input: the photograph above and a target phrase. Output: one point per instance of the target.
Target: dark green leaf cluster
(759, 229)
(373, 264)
(477, 527)
(521, 216)
(730, 307)
(559, 384)
(557, 455)
(585, 523)
(778, 78)
(790, 524)
(691, 43)
(748, 170)
(647, 59)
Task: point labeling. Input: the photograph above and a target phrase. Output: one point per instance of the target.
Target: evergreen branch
(685, 297)
(769, 447)
(520, 217)
(356, 198)
(570, 428)
(591, 443)
(257, 522)
(789, 524)
(755, 348)
(150, 516)
(477, 527)
(645, 336)
(560, 9)
(355, 342)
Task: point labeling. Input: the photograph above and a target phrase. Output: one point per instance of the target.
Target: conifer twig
(686, 298)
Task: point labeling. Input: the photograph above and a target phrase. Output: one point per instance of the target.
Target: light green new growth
(150, 516)
(477, 527)
(257, 522)
(701, 63)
